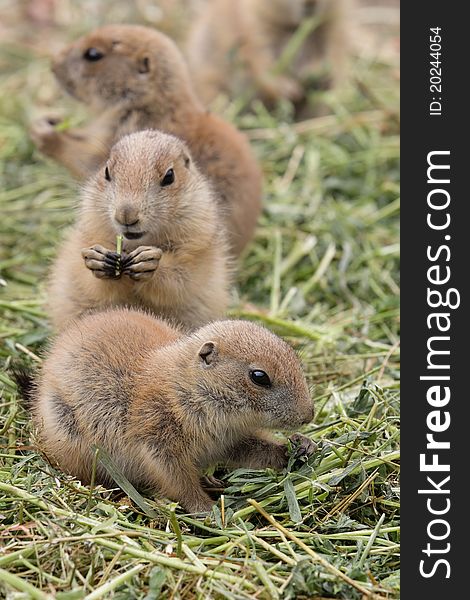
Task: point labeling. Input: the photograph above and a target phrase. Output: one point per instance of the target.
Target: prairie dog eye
(168, 178)
(260, 378)
(92, 54)
(107, 176)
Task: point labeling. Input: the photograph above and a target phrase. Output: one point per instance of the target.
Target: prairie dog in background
(233, 48)
(135, 78)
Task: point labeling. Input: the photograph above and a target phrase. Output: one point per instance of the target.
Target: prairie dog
(135, 78)
(174, 259)
(233, 47)
(166, 405)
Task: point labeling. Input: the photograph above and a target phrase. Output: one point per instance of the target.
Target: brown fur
(142, 82)
(179, 269)
(233, 47)
(167, 405)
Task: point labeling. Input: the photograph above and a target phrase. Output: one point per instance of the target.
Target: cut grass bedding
(322, 273)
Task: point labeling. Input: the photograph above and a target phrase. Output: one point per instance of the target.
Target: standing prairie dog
(135, 78)
(174, 259)
(233, 47)
(166, 405)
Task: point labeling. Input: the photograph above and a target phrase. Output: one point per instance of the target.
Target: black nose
(309, 418)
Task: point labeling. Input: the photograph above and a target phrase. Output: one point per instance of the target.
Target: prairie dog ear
(208, 353)
(143, 64)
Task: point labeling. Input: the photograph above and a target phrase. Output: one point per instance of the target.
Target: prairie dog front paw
(141, 263)
(303, 445)
(44, 134)
(281, 86)
(103, 263)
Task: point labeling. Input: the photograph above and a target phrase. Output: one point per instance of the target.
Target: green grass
(323, 273)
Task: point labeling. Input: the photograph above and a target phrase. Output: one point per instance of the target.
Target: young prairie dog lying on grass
(135, 78)
(174, 260)
(166, 405)
(234, 47)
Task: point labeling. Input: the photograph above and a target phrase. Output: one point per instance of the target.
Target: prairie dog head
(247, 371)
(118, 64)
(148, 188)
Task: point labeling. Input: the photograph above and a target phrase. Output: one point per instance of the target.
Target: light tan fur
(166, 405)
(141, 81)
(233, 48)
(178, 268)
(172, 17)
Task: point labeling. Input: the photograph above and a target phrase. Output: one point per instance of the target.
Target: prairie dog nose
(127, 215)
(309, 417)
